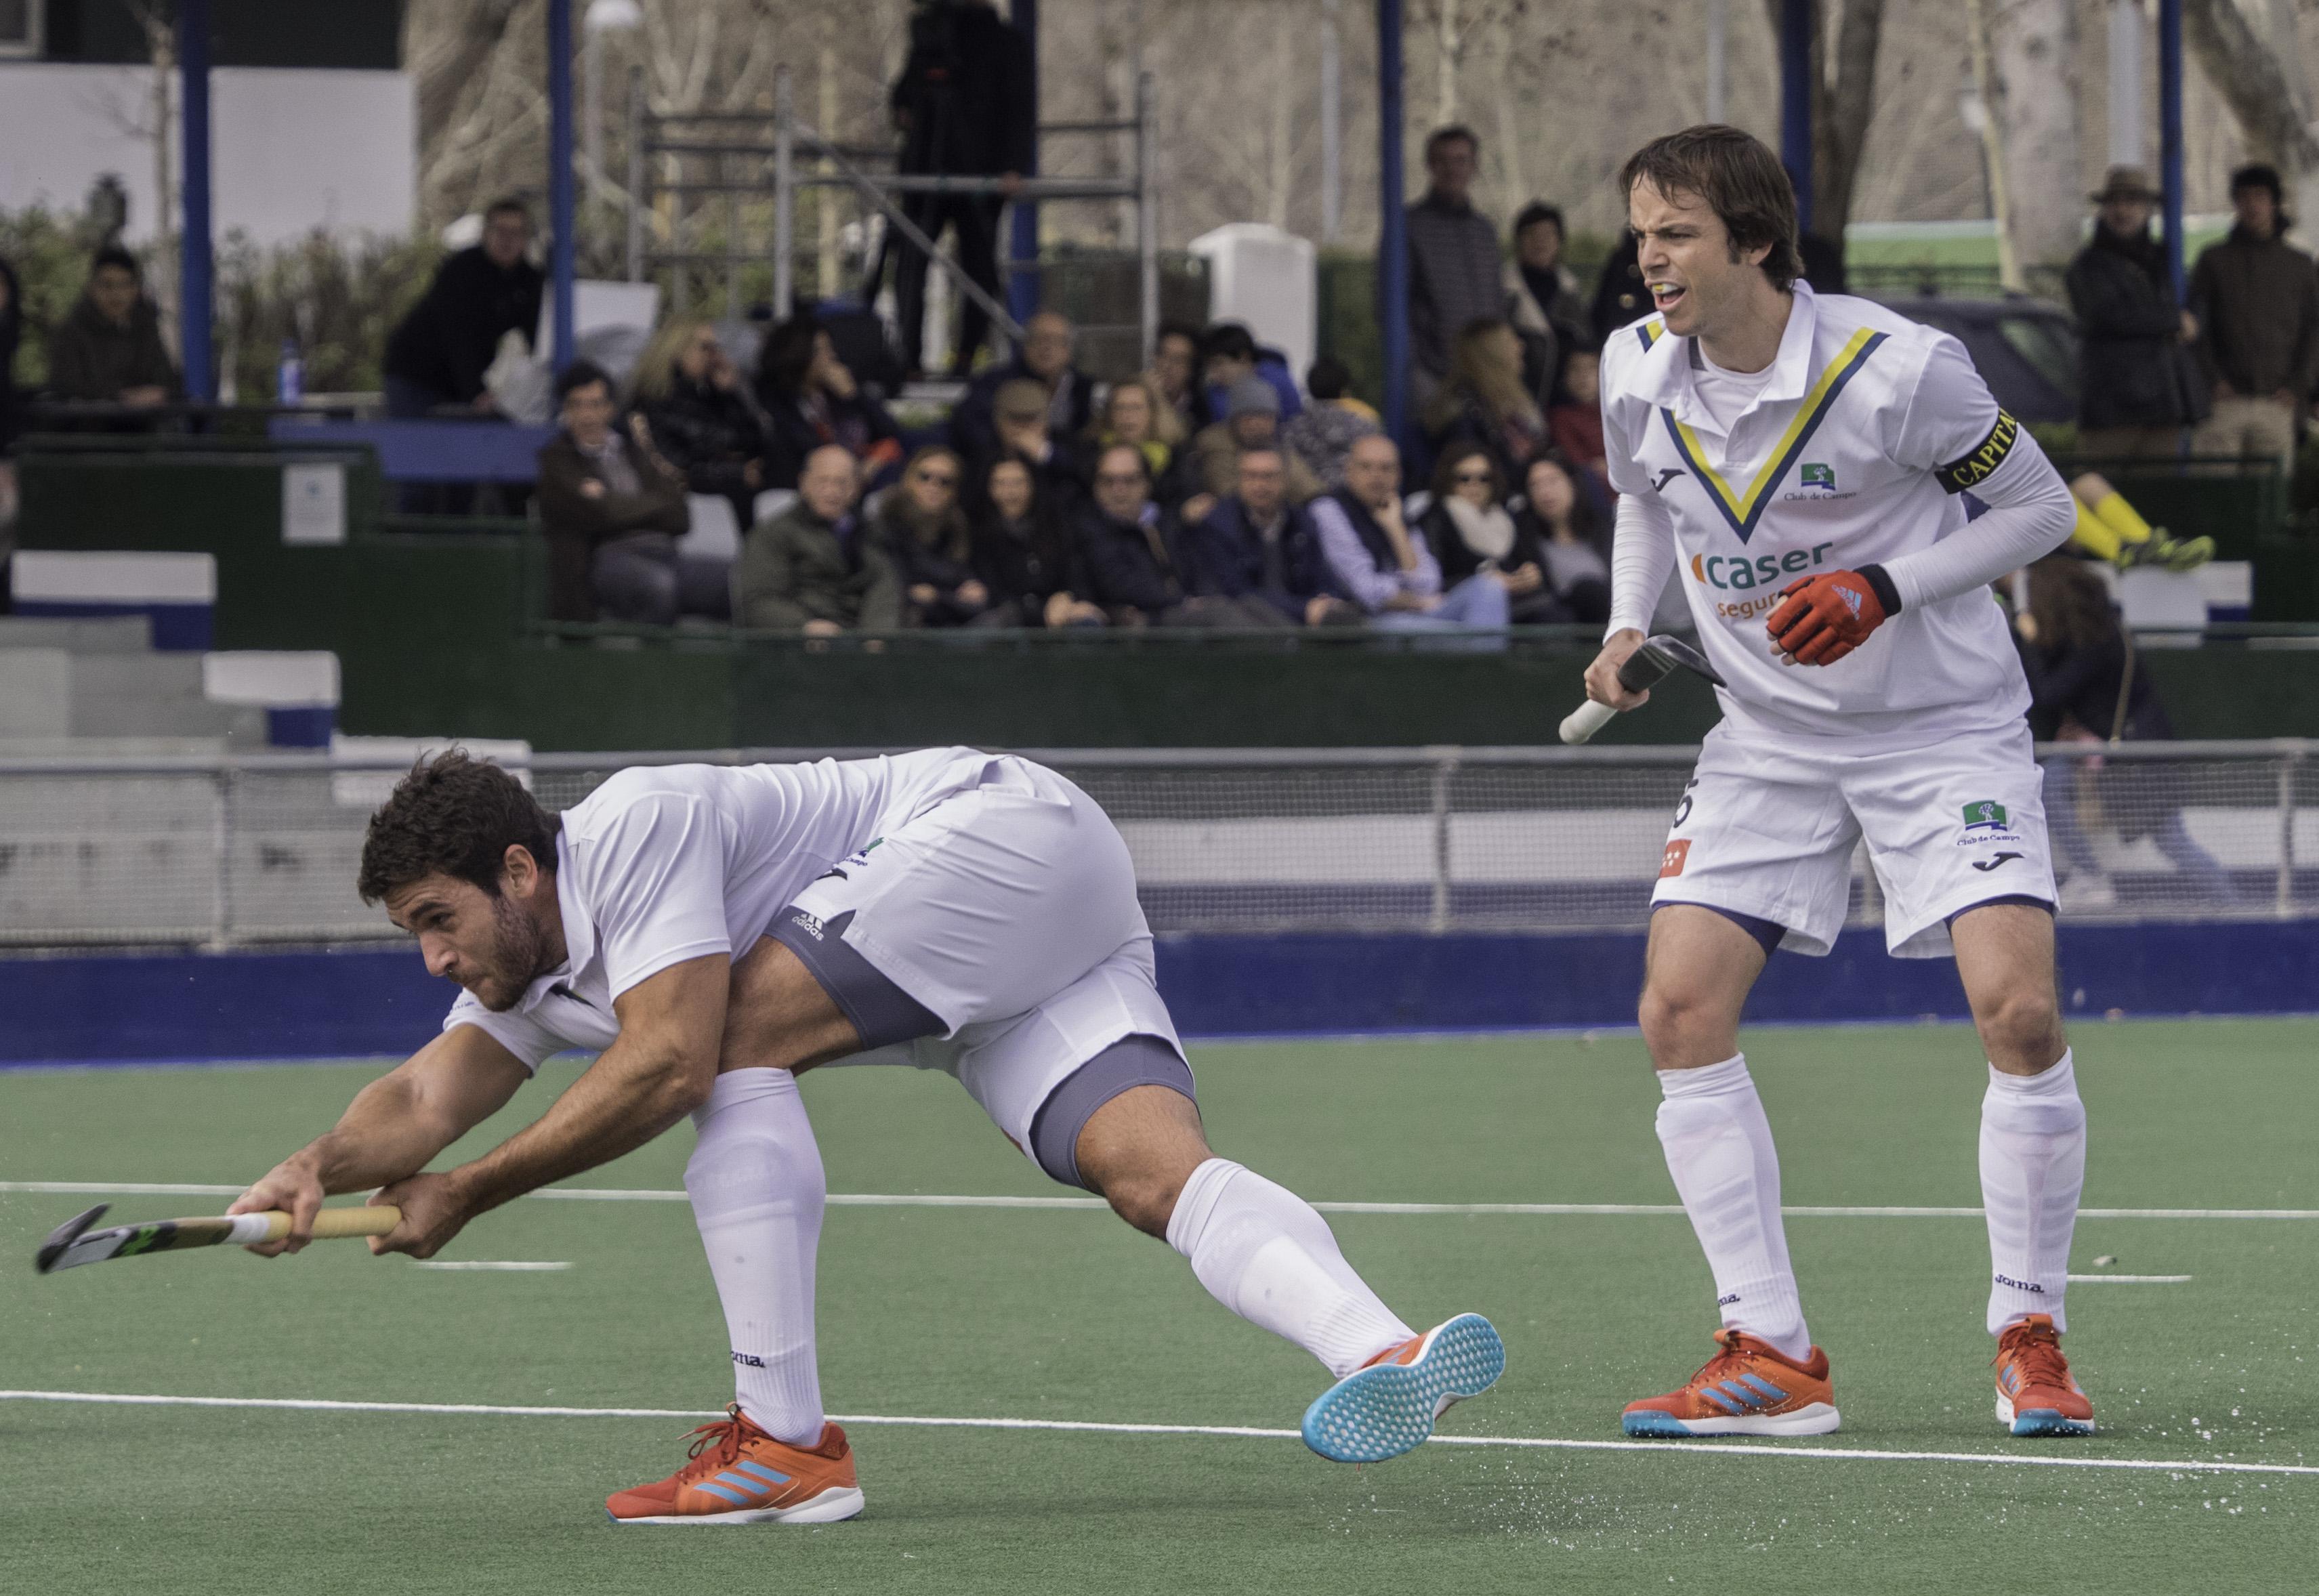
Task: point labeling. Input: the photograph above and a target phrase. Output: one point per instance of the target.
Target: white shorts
(1766, 829)
(1009, 911)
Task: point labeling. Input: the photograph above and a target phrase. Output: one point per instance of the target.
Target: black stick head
(1670, 652)
(64, 1236)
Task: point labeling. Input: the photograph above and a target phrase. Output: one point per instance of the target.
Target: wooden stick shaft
(333, 1225)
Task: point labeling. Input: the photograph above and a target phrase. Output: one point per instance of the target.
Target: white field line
(580, 1193)
(1234, 1431)
(2131, 1279)
(512, 1266)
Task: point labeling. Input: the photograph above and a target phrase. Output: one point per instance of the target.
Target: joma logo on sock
(1726, 1302)
(748, 1361)
(2018, 1284)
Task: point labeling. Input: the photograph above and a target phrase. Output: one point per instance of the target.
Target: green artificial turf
(1064, 1314)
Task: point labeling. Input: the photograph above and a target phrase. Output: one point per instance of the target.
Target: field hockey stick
(72, 1243)
(1644, 669)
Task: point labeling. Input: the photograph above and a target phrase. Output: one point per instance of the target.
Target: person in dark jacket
(814, 568)
(612, 510)
(109, 349)
(1559, 526)
(1025, 554)
(1134, 560)
(924, 533)
(2085, 685)
(966, 104)
(1619, 296)
(11, 334)
(1542, 298)
(701, 416)
(2138, 386)
(2257, 305)
(1256, 544)
(437, 354)
(1472, 533)
(1049, 342)
(810, 400)
(1454, 277)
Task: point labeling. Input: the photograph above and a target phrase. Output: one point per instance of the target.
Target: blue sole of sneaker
(1373, 1414)
(2046, 1421)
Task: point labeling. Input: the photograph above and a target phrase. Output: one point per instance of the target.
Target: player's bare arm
(658, 1071)
(390, 1130)
(1602, 676)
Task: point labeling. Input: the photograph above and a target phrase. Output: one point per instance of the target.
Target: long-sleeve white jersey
(1855, 452)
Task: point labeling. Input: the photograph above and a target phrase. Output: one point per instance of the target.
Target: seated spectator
(1570, 538)
(1382, 564)
(1548, 312)
(814, 568)
(437, 354)
(612, 510)
(702, 419)
(1019, 429)
(108, 350)
(1619, 296)
(1576, 424)
(810, 401)
(1174, 376)
(1321, 437)
(1257, 544)
(1027, 555)
(1471, 532)
(1048, 343)
(1229, 352)
(1135, 416)
(924, 533)
(1212, 462)
(1134, 567)
(1483, 401)
(2083, 688)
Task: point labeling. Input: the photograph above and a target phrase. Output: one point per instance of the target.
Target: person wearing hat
(2138, 384)
(1211, 468)
(2256, 302)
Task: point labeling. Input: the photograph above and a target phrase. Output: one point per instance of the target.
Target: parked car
(2025, 349)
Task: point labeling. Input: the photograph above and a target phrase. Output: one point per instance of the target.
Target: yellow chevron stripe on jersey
(1744, 511)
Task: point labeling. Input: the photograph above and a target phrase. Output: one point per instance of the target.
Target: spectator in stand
(1175, 376)
(924, 534)
(612, 510)
(1620, 297)
(967, 105)
(1134, 560)
(810, 401)
(2256, 303)
(1472, 533)
(1483, 401)
(1454, 272)
(1257, 544)
(1212, 463)
(108, 350)
(1229, 352)
(1049, 341)
(2138, 385)
(437, 354)
(1559, 522)
(1020, 431)
(1543, 298)
(701, 416)
(1575, 426)
(1133, 415)
(1330, 425)
(1027, 555)
(1382, 564)
(814, 568)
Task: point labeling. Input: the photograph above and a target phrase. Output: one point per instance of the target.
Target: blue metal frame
(1796, 104)
(1023, 240)
(560, 218)
(2170, 134)
(1393, 240)
(195, 281)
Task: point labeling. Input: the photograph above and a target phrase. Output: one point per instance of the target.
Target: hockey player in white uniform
(711, 932)
(1799, 462)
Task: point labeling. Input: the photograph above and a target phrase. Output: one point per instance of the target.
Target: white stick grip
(1582, 722)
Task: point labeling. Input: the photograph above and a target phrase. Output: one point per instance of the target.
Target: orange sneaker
(1748, 1388)
(739, 1475)
(2035, 1394)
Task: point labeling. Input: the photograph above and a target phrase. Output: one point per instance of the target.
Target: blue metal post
(2170, 133)
(195, 285)
(560, 208)
(1023, 245)
(1796, 104)
(1393, 228)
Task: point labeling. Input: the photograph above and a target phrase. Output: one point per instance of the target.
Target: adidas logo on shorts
(808, 923)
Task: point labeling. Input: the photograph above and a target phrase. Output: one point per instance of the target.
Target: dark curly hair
(453, 816)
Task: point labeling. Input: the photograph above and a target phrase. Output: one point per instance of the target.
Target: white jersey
(669, 862)
(1855, 451)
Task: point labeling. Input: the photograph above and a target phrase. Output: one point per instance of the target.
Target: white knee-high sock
(1263, 1252)
(1719, 1149)
(757, 1190)
(2033, 1167)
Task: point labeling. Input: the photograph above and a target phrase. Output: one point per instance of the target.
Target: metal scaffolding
(738, 154)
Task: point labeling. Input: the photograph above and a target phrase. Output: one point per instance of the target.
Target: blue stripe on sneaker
(769, 1476)
(1714, 1394)
(1764, 1388)
(735, 1497)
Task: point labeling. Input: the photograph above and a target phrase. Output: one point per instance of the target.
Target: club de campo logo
(1984, 812)
(1987, 822)
(1816, 475)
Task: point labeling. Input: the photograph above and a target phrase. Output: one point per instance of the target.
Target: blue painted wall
(103, 1007)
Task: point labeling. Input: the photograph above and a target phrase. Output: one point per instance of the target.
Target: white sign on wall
(314, 502)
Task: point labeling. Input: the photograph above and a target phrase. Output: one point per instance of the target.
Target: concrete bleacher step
(103, 633)
(54, 693)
